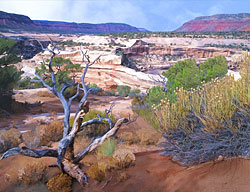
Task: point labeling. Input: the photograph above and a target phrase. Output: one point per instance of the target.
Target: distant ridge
(10, 22)
(218, 23)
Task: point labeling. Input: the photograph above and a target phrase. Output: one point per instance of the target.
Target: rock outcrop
(18, 23)
(108, 72)
(143, 56)
(218, 23)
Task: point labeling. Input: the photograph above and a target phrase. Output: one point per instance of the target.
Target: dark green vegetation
(204, 121)
(188, 75)
(9, 75)
(224, 35)
(230, 46)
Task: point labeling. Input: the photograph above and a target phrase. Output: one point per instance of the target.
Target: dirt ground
(152, 172)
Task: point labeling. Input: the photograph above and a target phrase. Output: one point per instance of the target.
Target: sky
(154, 15)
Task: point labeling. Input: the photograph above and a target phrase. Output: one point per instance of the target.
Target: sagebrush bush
(45, 94)
(123, 90)
(32, 173)
(49, 133)
(97, 171)
(9, 139)
(61, 182)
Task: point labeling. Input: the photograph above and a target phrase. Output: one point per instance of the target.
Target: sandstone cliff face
(218, 23)
(108, 72)
(143, 56)
(15, 22)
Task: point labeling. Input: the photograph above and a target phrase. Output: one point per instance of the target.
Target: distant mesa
(10, 22)
(218, 23)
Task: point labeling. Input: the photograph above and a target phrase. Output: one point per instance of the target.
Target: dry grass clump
(147, 136)
(32, 173)
(122, 158)
(97, 171)
(45, 94)
(60, 183)
(49, 133)
(9, 139)
(129, 137)
(30, 139)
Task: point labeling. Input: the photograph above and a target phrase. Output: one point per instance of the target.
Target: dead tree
(67, 161)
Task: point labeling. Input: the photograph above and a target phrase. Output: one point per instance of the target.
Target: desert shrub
(45, 94)
(30, 139)
(49, 133)
(147, 136)
(134, 92)
(123, 90)
(183, 74)
(9, 139)
(24, 83)
(128, 137)
(97, 171)
(107, 148)
(213, 68)
(61, 182)
(208, 122)
(155, 95)
(32, 173)
(188, 75)
(123, 158)
(110, 93)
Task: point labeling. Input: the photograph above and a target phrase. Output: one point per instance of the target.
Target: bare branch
(36, 153)
(163, 81)
(99, 141)
(131, 121)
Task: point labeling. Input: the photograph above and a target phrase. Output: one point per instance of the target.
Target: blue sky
(154, 15)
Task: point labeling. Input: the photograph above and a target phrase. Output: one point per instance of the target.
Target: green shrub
(134, 92)
(212, 68)
(187, 75)
(183, 74)
(24, 83)
(123, 90)
(155, 95)
(107, 148)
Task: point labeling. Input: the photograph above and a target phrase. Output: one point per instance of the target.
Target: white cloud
(45, 10)
(214, 10)
(107, 11)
